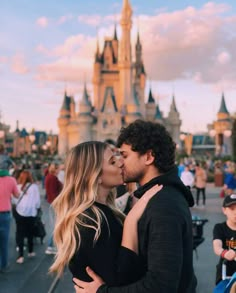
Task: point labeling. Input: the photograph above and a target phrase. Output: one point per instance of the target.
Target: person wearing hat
(224, 238)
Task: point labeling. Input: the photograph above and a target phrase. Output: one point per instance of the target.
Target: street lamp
(32, 138)
(227, 133)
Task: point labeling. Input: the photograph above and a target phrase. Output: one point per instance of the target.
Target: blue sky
(188, 49)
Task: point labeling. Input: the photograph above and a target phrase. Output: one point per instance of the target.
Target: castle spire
(115, 33)
(85, 98)
(97, 54)
(173, 107)
(150, 97)
(223, 108)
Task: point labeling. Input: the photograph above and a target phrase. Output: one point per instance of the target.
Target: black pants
(25, 229)
(201, 190)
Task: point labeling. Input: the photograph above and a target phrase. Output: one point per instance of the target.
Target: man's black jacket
(165, 240)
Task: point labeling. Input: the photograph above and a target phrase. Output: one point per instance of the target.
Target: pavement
(33, 277)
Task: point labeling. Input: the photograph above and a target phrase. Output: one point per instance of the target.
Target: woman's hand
(137, 210)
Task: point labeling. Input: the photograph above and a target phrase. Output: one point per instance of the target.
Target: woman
(200, 183)
(53, 187)
(88, 229)
(26, 213)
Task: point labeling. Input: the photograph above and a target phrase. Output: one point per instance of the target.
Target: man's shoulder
(9, 180)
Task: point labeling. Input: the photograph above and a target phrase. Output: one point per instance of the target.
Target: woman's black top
(116, 265)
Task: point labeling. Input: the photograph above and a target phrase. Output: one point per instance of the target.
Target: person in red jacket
(53, 187)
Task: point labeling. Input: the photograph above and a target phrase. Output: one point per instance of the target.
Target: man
(165, 228)
(8, 187)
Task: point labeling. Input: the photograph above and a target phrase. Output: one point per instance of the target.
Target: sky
(189, 50)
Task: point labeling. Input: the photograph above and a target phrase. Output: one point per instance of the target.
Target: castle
(118, 94)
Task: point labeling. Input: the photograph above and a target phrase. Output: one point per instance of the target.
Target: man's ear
(149, 157)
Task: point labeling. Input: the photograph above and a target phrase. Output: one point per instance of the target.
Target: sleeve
(165, 255)
(37, 196)
(218, 232)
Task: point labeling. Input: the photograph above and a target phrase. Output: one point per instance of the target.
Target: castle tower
(173, 122)
(125, 56)
(97, 67)
(118, 93)
(115, 44)
(139, 75)
(63, 121)
(223, 129)
(85, 118)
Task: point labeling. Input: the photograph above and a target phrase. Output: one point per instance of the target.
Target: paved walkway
(32, 276)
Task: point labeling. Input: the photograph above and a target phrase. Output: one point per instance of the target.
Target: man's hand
(91, 287)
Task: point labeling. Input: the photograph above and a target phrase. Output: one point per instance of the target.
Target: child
(224, 238)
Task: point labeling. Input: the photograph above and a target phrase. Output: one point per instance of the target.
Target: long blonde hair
(82, 170)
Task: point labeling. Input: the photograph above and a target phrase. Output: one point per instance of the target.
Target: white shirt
(30, 201)
(187, 178)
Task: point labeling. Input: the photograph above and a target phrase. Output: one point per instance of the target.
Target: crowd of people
(143, 246)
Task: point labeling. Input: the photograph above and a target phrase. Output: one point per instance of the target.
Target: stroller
(198, 238)
(228, 283)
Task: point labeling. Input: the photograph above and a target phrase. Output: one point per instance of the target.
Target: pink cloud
(92, 20)
(42, 22)
(186, 44)
(18, 64)
(65, 18)
(3, 59)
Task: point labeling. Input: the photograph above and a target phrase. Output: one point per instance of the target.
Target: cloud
(42, 22)
(73, 59)
(194, 44)
(223, 58)
(63, 19)
(190, 44)
(3, 59)
(18, 64)
(92, 20)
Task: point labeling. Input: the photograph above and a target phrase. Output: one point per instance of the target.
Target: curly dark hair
(145, 135)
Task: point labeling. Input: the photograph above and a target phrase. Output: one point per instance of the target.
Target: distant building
(222, 130)
(118, 94)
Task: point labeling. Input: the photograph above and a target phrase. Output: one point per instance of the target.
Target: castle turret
(63, 121)
(125, 57)
(223, 112)
(85, 118)
(150, 107)
(115, 44)
(173, 122)
(97, 67)
(139, 75)
(223, 130)
(158, 115)
(127, 99)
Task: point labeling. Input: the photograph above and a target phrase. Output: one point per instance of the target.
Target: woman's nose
(121, 161)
